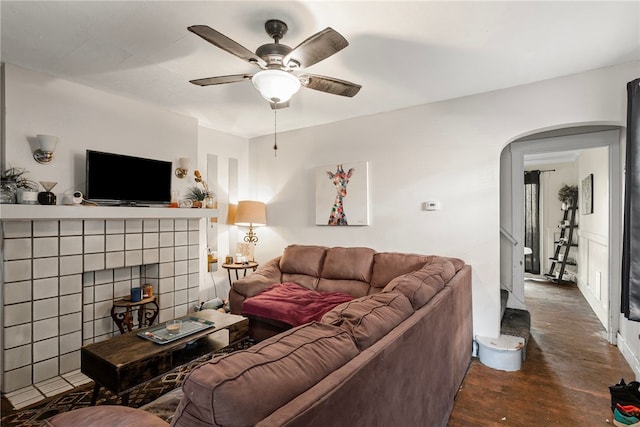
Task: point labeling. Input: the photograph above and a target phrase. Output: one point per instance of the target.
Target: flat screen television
(117, 179)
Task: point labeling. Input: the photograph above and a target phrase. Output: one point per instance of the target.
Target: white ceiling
(402, 53)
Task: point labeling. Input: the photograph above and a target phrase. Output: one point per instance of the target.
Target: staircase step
(517, 323)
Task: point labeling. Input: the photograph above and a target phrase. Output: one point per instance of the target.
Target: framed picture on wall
(586, 207)
(342, 194)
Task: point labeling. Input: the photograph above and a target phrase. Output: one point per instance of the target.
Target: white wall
(447, 151)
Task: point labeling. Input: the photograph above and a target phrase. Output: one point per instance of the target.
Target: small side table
(236, 267)
(146, 315)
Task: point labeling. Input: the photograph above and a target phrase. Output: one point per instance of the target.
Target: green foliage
(17, 175)
(567, 193)
(196, 193)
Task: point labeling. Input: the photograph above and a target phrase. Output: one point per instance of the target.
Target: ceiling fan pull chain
(275, 133)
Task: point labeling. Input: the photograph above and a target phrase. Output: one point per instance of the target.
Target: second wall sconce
(46, 146)
(183, 167)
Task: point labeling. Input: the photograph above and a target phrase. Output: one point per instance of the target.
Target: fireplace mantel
(31, 212)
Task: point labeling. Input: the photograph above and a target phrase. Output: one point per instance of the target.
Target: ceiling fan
(281, 67)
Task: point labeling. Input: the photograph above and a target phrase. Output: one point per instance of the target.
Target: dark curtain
(631, 233)
(532, 221)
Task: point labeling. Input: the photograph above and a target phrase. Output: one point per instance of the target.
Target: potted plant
(567, 194)
(200, 197)
(14, 181)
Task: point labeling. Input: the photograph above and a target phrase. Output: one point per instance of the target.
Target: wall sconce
(46, 145)
(250, 213)
(183, 167)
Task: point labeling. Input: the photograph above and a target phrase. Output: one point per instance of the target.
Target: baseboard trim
(626, 351)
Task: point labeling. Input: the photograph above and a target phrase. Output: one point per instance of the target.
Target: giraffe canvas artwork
(342, 194)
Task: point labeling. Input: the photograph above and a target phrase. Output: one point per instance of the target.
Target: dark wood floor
(564, 379)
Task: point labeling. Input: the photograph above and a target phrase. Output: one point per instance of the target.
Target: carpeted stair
(515, 322)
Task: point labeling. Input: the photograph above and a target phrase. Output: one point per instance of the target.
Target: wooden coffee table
(127, 361)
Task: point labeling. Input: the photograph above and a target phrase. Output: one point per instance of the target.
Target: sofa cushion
(348, 264)
(371, 317)
(389, 265)
(105, 415)
(241, 388)
(421, 285)
(292, 304)
(301, 259)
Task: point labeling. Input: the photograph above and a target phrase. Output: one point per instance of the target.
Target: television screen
(119, 179)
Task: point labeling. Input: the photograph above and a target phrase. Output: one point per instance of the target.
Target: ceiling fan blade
(330, 85)
(316, 48)
(225, 43)
(279, 105)
(219, 80)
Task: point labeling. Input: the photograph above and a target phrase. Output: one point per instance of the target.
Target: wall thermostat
(431, 205)
(77, 197)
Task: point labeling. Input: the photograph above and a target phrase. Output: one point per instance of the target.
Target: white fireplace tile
(94, 244)
(181, 310)
(181, 225)
(181, 238)
(180, 297)
(133, 241)
(102, 310)
(104, 337)
(45, 288)
(194, 224)
(150, 240)
(115, 226)
(45, 247)
(103, 276)
(70, 304)
(44, 329)
(71, 323)
(70, 362)
(166, 225)
(133, 258)
(45, 370)
(166, 239)
(194, 294)
(151, 225)
(17, 379)
(87, 295)
(121, 289)
(94, 262)
(17, 314)
(71, 284)
(45, 228)
(15, 292)
(152, 270)
(45, 308)
(114, 260)
(166, 255)
(17, 249)
(194, 252)
(87, 311)
(136, 271)
(181, 253)
(194, 280)
(15, 271)
(70, 342)
(103, 326)
(166, 285)
(87, 331)
(71, 245)
(17, 357)
(166, 269)
(194, 265)
(17, 335)
(71, 227)
(180, 268)
(150, 256)
(45, 267)
(15, 229)
(46, 349)
(70, 265)
(194, 237)
(53, 386)
(133, 226)
(114, 242)
(104, 292)
(165, 314)
(165, 300)
(94, 227)
(180, 282)
(122, 274)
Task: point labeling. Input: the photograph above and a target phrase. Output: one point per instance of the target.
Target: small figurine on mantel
(200, 197)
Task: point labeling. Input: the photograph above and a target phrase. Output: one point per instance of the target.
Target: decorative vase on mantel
(46, 197)
(8, 191)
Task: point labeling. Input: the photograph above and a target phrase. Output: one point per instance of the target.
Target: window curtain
(631, 233)
(532, 221)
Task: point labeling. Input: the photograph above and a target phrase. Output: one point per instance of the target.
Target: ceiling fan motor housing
(273, 53)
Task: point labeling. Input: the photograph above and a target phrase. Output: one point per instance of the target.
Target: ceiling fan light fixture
(276, 85)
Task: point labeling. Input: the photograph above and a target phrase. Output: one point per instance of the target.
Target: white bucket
(503, 353)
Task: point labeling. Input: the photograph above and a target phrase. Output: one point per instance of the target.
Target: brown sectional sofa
(394, 355)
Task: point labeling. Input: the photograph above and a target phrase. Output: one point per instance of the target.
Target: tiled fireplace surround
(60, 279)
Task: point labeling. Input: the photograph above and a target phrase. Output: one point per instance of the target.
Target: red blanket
(292, 304)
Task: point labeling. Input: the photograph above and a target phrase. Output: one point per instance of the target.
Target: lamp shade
(276, 85)
(251, 213)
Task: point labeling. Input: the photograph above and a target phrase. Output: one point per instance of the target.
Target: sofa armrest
(266, 275)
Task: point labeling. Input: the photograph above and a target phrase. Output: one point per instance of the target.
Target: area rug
(80, 397)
